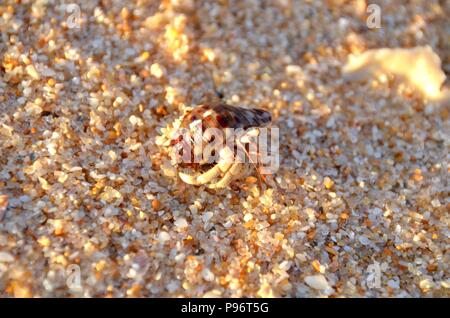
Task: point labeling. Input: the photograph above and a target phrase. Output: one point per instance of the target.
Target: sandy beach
(90, 205)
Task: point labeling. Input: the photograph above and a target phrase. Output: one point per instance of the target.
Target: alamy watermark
(73, 11)
(72, 276)
(373, 279)
(374, 19)
(259, 146)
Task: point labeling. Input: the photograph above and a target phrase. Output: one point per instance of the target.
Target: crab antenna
(217, 92)
(255, 165)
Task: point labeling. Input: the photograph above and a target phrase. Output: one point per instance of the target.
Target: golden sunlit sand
(90, 205)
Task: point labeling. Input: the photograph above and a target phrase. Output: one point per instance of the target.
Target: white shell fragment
(419, 67)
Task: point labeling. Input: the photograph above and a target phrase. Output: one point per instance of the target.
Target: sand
(89, 207)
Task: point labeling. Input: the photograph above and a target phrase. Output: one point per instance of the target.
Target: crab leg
(205, 177)
(189, 179)
(229, 176)
(210, 174)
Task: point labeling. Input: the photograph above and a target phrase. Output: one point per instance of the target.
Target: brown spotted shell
(226, 116)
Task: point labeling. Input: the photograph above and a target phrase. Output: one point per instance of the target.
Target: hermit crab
(215, 144)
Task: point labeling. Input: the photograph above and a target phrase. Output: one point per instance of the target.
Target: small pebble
(163, 236)
(5, 257)
(31, 70)
(181, 223)
(207, 216)
(317, 282)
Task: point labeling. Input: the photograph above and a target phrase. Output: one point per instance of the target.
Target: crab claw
(205, 177)
(189, 179)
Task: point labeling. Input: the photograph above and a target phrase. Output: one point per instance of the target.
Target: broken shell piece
(419, 67)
